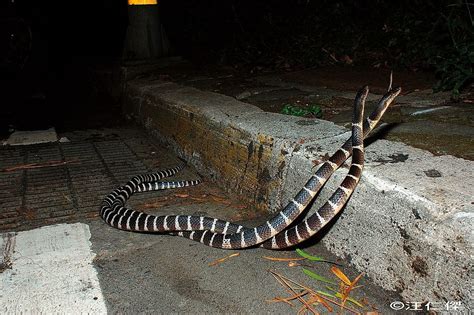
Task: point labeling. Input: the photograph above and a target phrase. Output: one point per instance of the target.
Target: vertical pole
(145, 39)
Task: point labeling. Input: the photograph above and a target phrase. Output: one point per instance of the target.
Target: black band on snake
(221, 234)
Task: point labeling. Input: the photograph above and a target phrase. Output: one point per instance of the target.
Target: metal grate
(95, 164)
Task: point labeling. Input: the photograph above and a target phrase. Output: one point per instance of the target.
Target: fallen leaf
(292, 285)
(283, 259)
(340, 275)
(308, 256)
(218, 261)
(38, 165)
(181, 195)
(317, 277)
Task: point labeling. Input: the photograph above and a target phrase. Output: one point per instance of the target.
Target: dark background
(252, 35)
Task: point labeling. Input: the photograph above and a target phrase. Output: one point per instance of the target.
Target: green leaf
(326, 294)
(289, 109)
(316, 111)
(317, 277)
(354, 301)
(304, 254)
(339, 295)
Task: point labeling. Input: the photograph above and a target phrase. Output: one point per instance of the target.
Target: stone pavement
(59, 257)
(408, 227)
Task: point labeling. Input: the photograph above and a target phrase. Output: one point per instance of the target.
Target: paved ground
(89, 267)
(130, 272)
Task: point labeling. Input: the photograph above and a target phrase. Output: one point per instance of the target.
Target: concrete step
(408, 225)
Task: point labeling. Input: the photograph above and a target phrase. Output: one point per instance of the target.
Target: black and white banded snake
(271, 234)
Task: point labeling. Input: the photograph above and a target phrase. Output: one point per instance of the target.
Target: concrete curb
(408, 225)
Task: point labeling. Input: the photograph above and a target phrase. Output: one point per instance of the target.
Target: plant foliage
(436, 35)
(312, 110)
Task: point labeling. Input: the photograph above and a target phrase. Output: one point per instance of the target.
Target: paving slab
(36, 276)
(408, 224)
(24, 137)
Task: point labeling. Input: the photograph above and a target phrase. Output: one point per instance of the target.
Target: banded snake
(271, 234)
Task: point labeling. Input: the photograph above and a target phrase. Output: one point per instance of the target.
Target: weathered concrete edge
(414, 233)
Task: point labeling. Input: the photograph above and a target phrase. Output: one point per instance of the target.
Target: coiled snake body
(271, 234)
